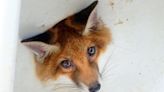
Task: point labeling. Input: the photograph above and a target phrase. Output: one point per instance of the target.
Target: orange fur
(68, 35)
(74, 46)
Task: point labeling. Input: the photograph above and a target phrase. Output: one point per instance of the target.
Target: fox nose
(95, 87)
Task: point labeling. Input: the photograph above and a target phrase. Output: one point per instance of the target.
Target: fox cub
(71, 48)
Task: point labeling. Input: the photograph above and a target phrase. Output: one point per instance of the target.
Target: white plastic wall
(9, 14)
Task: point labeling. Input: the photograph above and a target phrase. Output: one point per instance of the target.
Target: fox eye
(91, 51)
(66, 64)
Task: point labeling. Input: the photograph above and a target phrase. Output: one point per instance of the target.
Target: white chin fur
(63, 84)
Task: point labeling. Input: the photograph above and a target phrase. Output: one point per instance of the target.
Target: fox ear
(40, 49)
(93, 23)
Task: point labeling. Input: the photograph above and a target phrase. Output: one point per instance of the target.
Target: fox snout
(91, 82)
(95, 87)
(89, 76)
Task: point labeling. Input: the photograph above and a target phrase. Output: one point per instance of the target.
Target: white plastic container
(137, 54)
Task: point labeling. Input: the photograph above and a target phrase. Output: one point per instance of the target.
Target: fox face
(72, 50)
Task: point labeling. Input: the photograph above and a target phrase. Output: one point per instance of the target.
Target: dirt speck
(139, 73)
(127, 19)
(43, 25)
(111, 2)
